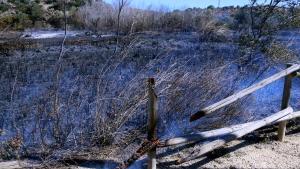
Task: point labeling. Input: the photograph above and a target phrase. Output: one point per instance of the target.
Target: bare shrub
(102, 17)
(209, 28)
(172, 21)
(102, 101)
(279, 53)
(96, 16)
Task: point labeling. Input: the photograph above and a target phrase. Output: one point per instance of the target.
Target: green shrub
(22, 21)
(76, 3)
(3, 7)
(241, 19)
(36, 12)
(210, 7)
(56, 20)
(6, 21)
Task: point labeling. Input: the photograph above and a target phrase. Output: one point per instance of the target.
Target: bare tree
(258, 33)
(57, 130)
(121, 4)
(263, 16)
(264, 20)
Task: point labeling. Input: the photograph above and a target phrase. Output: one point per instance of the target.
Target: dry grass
(100, 16)
(102, 96)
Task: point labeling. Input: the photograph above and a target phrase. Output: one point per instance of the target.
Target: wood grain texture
(217, 143)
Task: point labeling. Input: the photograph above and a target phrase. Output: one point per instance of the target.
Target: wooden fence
(228, 133)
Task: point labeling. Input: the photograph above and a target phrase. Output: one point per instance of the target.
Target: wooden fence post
(285, 104)
(152, 122)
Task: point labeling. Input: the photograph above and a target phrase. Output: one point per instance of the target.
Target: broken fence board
(205, 148)
(198, 136)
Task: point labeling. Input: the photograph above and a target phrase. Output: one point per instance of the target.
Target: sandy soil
(237, 154)
(249, 154)
(262, 155)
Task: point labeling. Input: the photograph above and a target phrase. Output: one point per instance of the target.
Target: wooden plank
(234, 135)
(152, 122)
(284, 104)
(198, 136)
(243, 93)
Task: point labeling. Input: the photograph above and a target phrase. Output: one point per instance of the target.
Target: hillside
(23, 14)
(81, 95)
(180, 64)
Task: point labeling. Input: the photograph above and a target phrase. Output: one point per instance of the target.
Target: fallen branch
(234, 135)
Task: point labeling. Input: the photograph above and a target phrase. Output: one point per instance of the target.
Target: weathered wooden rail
(246, 92)
(223, 135)
(198, 136)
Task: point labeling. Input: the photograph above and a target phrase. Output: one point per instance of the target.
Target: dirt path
(245, 154)
(237, 154)
(271, 154)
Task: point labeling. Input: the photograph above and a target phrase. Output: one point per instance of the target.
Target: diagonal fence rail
(243, 93)
(222, 135)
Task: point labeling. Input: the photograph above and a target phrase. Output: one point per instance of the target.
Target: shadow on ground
(266, 134)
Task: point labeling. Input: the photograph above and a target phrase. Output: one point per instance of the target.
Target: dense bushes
(102, 17)
(101, 98)
(3, 7)
(22, 14)
(95, 16)
(6, 20)
(25, 15)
